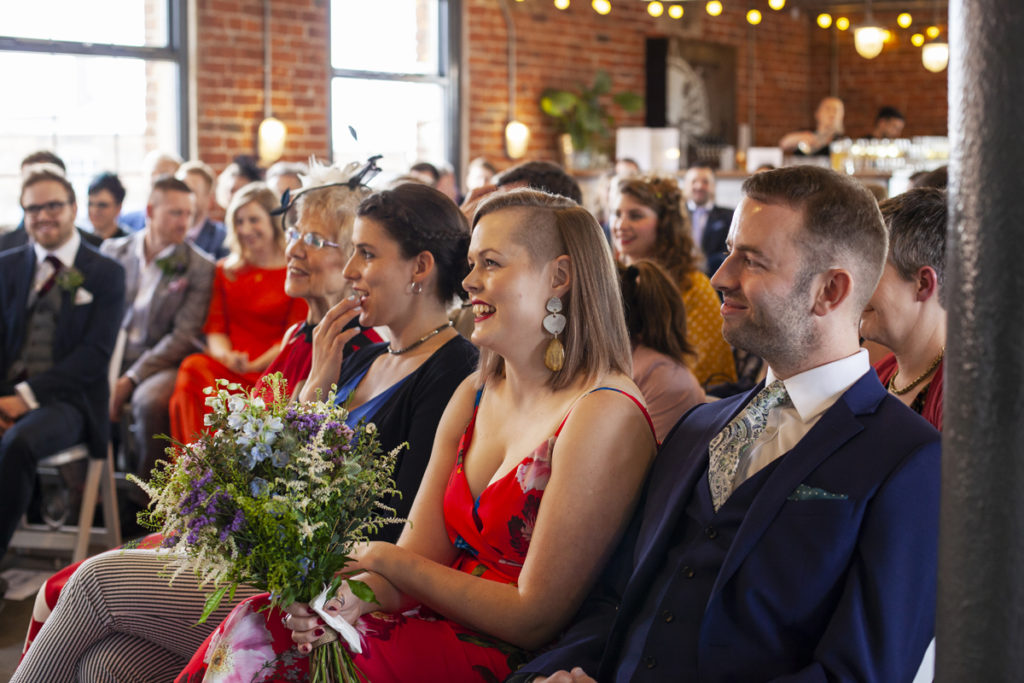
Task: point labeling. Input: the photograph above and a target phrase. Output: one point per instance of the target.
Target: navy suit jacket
(810, 589)
(716, 232)
(84, 339)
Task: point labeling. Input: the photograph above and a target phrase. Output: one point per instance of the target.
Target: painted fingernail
(318, 632)
(319, 621)
(304, 649)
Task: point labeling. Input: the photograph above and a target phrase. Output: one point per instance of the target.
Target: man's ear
(150, 206)
(834, 288)
(561, 275)
(927, 283)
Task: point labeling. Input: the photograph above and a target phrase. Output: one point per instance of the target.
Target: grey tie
(733, 442)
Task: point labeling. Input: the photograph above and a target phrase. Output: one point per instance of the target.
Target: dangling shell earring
(554, 322)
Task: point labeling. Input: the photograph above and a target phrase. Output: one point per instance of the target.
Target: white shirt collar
(814, 391)
(66, 252)
(693, 206)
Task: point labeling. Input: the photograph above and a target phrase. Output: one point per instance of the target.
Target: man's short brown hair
(38, 173)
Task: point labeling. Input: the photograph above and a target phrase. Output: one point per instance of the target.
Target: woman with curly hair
(649, 222)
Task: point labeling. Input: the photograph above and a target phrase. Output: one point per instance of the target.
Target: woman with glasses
(249, 310)
(118, 619)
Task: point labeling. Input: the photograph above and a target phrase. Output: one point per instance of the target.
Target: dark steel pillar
(980, 628)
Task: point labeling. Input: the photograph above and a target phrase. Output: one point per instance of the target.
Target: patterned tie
(733, 442)
(50, 281)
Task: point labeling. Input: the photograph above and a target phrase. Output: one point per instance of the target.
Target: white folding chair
(99, 484)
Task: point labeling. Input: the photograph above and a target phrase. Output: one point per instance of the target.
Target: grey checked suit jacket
(179, 306)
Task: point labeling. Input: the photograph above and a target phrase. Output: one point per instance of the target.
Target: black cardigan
(413, 412)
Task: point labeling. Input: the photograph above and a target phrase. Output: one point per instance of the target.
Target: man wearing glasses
(60, 307)
(168, 282)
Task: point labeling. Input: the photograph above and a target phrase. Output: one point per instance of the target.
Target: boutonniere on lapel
(70, 279)
(173, 264)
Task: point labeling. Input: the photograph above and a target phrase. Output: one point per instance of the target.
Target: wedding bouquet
(273, 496)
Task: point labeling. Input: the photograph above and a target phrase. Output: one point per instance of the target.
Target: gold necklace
(891, 386)
(428, 335)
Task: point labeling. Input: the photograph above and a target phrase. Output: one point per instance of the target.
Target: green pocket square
(805, 492)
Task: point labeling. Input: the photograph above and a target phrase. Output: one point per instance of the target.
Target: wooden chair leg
(108, 491)
(88, 509)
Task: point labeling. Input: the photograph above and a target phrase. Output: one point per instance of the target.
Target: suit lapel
(18, 317)
(837, 426)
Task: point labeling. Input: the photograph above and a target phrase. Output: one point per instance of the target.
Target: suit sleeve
(188, 324)
(90, 359)
(885, 619)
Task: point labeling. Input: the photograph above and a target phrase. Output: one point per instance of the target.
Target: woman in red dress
(249, 310)
(536, 466)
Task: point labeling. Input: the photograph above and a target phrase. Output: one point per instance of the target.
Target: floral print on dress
(241, 649)
(534, 472)
(520, 527)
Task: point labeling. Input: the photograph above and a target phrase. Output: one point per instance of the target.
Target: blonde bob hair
(595, 336)
(253, 192)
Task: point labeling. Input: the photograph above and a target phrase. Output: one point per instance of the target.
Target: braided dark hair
(420, 219)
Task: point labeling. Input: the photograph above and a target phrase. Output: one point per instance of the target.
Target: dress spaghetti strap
(634, 399)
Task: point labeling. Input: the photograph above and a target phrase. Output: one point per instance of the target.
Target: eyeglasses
(49, 207)
(309, 238)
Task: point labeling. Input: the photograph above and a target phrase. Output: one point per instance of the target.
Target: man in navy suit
(60, 308)
(789, 534)
(710, 223)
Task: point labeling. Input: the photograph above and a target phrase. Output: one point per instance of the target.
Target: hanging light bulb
(517, 139)
(601, 6)
(562, 4)
(824, 20)
(917, 40)
(776, 4)
(935, 56)
(714, 7)
(905, 20)
(675, 11)
(754, 17)
(842, 23)
(270, 139)
(868, 41)
(655, 8)
(932, 32)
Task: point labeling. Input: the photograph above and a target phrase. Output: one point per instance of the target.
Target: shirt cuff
(27, 395)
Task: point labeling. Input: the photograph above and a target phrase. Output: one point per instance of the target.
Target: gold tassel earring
(554, 323)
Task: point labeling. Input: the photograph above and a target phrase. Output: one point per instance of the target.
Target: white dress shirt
(699, 218)
(811, 393)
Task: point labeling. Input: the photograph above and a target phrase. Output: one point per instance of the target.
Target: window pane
(113, 22)
(402, 121)
(399, 36)
(96, 113)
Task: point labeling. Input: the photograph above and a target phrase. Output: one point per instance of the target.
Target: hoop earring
(415, 288)
(554, 323)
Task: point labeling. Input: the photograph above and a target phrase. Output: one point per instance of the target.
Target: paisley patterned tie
(733, 442)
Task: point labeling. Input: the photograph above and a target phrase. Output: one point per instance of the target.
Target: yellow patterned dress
(713, 363)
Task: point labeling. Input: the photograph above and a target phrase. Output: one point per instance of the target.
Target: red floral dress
(492, 533)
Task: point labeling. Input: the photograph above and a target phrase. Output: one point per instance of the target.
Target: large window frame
(448, 76)
(176, 51)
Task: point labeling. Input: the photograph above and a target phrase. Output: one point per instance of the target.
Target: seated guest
(656, 321)
(906, 313)
(626, 167)
(540, 175)
(426, 172)
(236, 175)
(405, 292)
(60, 306)
(249, 310)
(480, 172)
(167, 297)
(710, 223)
(204, 232)
(889, 124)
(789, 533)
(938, 178)
(106, 194)
(154, 165)
(285, 175)
(649, 223)
(19, 236)
(536, 464)
(828, 126)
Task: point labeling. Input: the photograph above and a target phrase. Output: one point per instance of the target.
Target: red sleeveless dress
(492, 533)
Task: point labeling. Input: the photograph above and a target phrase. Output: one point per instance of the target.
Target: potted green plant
(583, 119)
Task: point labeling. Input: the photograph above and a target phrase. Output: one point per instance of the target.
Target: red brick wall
(230, 76)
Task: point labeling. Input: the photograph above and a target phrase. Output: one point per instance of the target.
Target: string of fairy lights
(869, 37)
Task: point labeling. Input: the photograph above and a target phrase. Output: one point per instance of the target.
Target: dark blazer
(19, 238)
(712, 242)
(211, 239)
(810, 589)
(178, 308)
(86, 331)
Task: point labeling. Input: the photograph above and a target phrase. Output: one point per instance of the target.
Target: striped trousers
(118, 621)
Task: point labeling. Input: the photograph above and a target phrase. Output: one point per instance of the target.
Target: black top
(413, 412)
